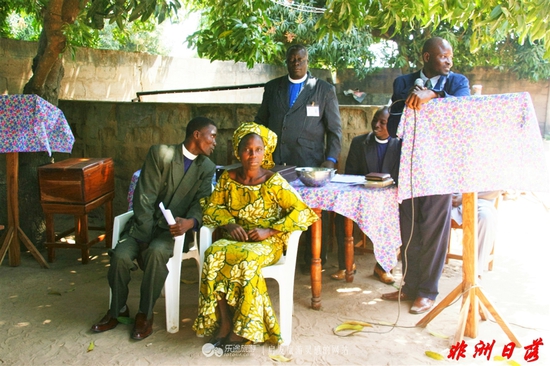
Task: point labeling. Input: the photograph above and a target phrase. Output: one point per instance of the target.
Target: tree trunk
(46, 81)
(47, 65)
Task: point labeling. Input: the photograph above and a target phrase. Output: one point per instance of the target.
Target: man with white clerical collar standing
(303, 111)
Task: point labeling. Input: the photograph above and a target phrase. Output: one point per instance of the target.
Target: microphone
(419, 82)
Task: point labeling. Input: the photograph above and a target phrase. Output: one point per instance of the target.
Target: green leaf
(280, 358)
(125, 320)
(434, 355)
(497, 11)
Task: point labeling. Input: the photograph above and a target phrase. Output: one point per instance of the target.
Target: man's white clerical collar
(188, 154)
(381, 141)
(293, 81)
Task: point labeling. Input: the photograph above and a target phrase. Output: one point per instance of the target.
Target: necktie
(428, 84)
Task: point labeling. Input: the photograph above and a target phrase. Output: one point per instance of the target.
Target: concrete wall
(125, 131)
(118, 76)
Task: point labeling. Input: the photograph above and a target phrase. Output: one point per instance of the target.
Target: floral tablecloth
(131, 189)
(472, 144)
(375, 210)
(28, 123)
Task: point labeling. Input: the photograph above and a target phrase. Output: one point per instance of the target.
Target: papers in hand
(167, 214)
(348, 179)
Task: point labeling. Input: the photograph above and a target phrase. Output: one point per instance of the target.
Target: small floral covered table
(376, 212)
(28, 123)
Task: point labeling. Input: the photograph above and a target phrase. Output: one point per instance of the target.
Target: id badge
(312, 110)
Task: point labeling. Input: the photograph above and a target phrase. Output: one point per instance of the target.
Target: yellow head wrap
(269, 138)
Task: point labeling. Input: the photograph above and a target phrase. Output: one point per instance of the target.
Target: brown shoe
(341, 274)
(108, 322)
(143, 327)
(421, 305)
(394, 296)
(383, 276)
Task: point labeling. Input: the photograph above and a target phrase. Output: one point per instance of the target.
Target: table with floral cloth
(28, 123)
(376, 212)
(472, 144)
(468, 145)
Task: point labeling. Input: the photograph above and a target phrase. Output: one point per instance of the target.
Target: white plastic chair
(282, 272)
(172, 285)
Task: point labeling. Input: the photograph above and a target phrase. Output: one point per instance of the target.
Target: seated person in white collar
(375, 152)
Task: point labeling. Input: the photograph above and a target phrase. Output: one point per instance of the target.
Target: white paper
(348, 179)
(167, 214)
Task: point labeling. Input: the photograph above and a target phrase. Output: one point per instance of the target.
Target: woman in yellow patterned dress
(257, 210)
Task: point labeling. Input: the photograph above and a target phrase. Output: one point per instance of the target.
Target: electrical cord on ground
(394, 325)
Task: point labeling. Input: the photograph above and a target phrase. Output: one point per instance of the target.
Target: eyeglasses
(299, 61)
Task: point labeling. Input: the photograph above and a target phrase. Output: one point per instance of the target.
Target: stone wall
(125, 131)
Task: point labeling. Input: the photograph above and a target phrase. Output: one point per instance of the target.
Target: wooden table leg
(14, 235)
(50, 236)
(316, 267)
(349, 248)
(81, 237)
(12, 161)
(109, 218)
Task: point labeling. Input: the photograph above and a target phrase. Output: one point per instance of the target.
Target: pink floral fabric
(375, 210)
(28, 123)
(132, 189)
(472, 144)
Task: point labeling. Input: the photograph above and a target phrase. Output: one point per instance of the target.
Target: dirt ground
(46, 314)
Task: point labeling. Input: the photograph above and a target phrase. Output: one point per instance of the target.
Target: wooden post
(14, 235)
(316, 266)
(349, 248)
(469, 288)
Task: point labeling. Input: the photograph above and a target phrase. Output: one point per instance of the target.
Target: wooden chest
(76, 180)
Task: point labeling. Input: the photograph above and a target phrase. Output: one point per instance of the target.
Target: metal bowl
(315, 177)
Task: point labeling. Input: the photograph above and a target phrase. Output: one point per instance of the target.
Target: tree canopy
(509, 34)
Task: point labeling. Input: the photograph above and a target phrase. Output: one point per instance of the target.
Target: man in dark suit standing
(178, 176)
(424, 257)
(303, 111)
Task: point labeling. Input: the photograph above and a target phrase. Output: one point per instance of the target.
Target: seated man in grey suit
(178, 176)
